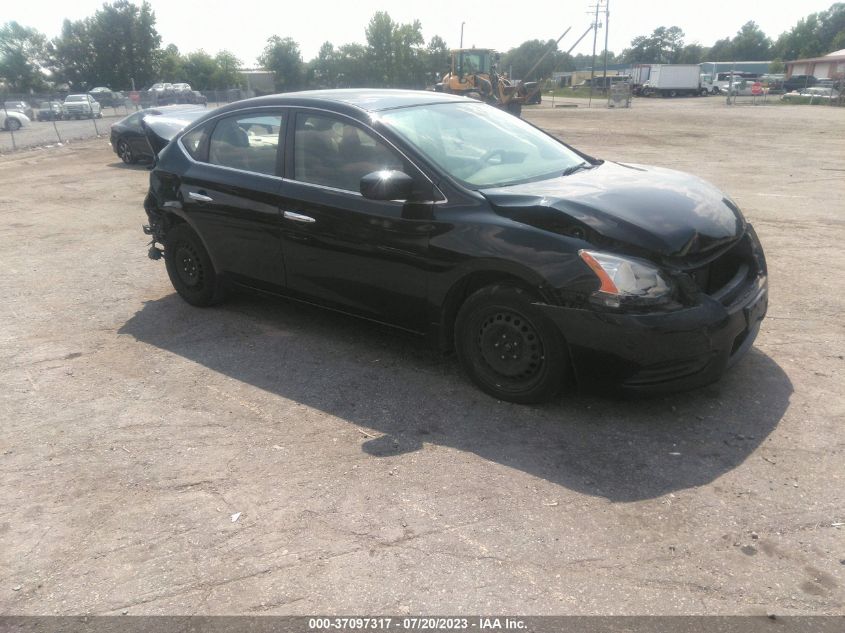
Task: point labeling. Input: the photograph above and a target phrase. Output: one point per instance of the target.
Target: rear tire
(13, 125)
(508, 347)
(124, 150)
(190, 269)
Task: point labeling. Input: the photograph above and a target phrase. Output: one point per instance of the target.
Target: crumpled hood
(667, 212)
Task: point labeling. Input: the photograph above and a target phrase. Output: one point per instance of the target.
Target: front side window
(249, 143)
(334, 153)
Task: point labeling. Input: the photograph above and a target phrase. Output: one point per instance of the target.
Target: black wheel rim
(188, 266)
(124, 151)
(509, 349)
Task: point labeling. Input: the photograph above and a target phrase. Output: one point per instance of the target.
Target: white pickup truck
(82, 106)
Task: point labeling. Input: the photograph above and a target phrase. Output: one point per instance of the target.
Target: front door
(341, 249)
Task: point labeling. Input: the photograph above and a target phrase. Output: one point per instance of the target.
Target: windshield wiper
(578, 167)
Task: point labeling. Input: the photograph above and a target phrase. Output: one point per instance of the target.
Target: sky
(243, 26)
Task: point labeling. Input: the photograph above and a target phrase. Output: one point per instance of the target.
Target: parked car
(773, 81)
(49, 111)
(128, 139)
(197, 97)
(106, 97)
(12, 120)
(799, 83)
(441, 215)
(81, 106)
(815, 93)
(20, 106)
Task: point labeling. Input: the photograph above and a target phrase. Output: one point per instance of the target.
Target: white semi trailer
(673, 80)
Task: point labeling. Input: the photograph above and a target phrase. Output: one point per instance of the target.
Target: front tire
(508, 347)
(190, 269)
(13, 125)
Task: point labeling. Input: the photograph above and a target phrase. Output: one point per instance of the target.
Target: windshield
(76, 98)
(479, 145)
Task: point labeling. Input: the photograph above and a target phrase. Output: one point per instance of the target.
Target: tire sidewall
(470, 317)
(207, 292)
(126, 155)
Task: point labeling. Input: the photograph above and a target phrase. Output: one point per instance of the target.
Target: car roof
(368, 100)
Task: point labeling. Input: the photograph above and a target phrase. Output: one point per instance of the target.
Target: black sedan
(538, 264)
(127, 136)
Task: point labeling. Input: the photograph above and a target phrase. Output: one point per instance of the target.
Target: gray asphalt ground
(263, 457)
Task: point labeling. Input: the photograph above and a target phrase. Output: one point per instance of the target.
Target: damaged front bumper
(661, 352)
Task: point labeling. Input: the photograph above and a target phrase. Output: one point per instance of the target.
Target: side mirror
(387, 185)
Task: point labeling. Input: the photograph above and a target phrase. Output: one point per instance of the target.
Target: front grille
(725, 277)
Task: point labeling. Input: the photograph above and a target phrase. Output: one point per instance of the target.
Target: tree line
(813, 36)
(119, 45)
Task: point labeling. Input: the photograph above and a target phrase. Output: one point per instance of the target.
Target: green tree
(437, 59)
(721, 51)
(352, 67)
(380, 49)
(518, 61)
(225, 74)
(691, 54)
(71, 55)
(199, 69)
(663, 46)
(815, 35)
(116, 45)
(171, 65)
(408, 56)
(282, 57)
(23, 52)
(751, 44)
(324, 67)
(126, 45)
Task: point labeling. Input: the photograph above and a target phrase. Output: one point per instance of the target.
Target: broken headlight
(627, 280)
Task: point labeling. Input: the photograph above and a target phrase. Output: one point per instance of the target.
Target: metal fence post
(54, 117)
(6, 123)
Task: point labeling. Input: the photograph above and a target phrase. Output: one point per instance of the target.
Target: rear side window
(249, 143)
(193, 142)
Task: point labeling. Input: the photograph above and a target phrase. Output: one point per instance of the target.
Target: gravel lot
(368, 474)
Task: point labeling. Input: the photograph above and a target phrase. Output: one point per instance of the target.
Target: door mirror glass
(387, 185)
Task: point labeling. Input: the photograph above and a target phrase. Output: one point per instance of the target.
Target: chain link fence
(48, 119)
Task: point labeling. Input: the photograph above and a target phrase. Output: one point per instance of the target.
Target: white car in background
(81, 106)
(13, 120)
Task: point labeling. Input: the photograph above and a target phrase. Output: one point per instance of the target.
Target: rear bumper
(665, 352)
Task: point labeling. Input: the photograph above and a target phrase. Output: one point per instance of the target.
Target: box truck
(673, 80)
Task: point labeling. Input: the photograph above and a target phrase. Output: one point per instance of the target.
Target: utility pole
(593, 64)
(606, 35)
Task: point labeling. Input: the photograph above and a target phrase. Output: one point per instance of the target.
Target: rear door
(231, 194)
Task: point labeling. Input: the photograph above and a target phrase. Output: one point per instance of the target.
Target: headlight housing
(627, 280)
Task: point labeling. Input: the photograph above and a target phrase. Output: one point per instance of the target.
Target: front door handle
(298, 217)
(199, 197)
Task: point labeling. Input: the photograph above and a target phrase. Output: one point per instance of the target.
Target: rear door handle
(199, 197)
(298, 217)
